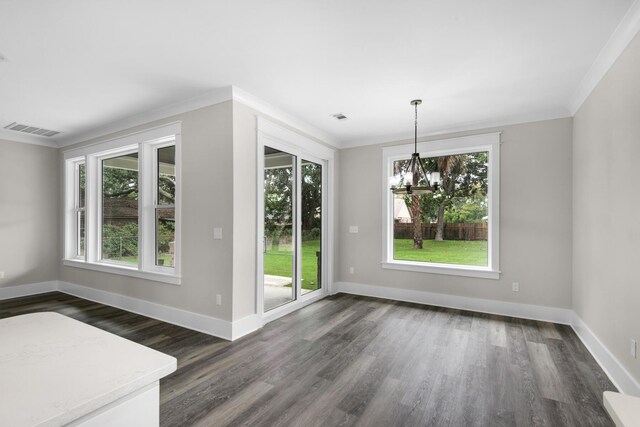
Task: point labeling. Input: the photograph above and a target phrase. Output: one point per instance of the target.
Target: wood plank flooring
(356, 361)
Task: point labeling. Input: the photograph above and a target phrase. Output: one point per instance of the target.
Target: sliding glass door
(292, 227)
(279, 230)
(311, 226)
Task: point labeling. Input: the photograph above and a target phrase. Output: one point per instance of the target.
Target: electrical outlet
(1, 274)
(633, 348)
(219, 299)
(217, 233)
(352, 270)
(515, 287)
(353, 229)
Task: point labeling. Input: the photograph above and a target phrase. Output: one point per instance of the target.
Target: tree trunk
(416, 217)
(448, 186)
(417, 222)
(275, 242)
(440, 224)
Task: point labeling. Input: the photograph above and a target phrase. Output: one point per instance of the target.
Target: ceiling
(76, 66)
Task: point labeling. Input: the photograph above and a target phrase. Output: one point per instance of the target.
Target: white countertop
(623, 409)
(54, 369)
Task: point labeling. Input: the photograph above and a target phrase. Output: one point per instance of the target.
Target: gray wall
(28, 213)
(245, 184)
(207, 157)
(219, 189)
(535, 220)
(606, 216)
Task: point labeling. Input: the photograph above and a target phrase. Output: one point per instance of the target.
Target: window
(119, 225)
(164, 206)
(122, 199)
(454, 229)
(80, 185)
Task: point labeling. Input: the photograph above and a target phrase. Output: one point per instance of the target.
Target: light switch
(217, 233)
(1, 274)
(353, 229)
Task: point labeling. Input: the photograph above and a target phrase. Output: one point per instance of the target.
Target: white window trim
(145, 144)
(485, 142)
(74, 205)
(123, 270)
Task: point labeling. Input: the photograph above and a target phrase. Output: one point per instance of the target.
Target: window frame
(73, 234)
(150, 205)
(490, 143)
(100, 208)
(146, 144)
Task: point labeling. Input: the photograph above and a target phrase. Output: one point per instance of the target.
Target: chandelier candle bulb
(408, 178)
(435, 177)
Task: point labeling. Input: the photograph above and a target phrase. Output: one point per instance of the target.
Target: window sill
(124, 271)
(453, 270)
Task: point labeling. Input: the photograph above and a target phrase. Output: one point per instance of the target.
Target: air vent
(31, 129)
(339, 116)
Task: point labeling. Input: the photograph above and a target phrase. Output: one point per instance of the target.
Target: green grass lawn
(279, 263)
(446, 252)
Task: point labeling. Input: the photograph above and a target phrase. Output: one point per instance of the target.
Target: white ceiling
(77, 66)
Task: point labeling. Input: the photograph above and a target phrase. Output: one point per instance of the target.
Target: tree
(120, 180)
(119, 183)
(277, 202)
(413, 203)
(450, 168)
(470, 210)
(416, 218)
(310, 214)
(464, 181)
(464, 176)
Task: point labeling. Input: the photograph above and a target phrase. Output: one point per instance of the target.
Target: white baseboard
(616, 372)
(245, 326)
(18, 291)
(197, 322)
(524, 311)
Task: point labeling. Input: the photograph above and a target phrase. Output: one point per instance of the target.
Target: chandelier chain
(415, 130)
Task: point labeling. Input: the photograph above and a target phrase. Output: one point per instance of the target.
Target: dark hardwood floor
(362, 361)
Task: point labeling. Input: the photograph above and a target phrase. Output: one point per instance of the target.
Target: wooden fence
(451, 231)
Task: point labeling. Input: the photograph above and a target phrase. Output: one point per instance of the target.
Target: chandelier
(408, 180)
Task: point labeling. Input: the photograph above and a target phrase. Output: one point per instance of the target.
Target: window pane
(311, 221)
(81, 234)
(81, 185)
(165, 236)
(167, 175)
(449, 225)
(120, 209)
(279, 228)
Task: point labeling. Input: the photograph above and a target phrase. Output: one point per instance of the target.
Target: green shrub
(313, 234)
(119, 241)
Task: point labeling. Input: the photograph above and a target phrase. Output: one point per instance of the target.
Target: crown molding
(13, 136)
(206, 99)
(619, 40)
(558, 113)
(281, 116)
